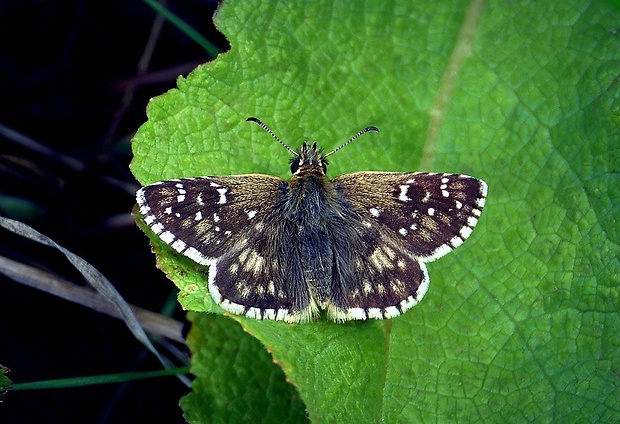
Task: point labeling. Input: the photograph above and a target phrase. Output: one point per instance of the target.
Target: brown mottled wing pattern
(231, 224)
(431, 213)
(396, 223)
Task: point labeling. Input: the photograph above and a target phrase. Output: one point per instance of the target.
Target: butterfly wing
(393, 224)
(221, 222)
(374, 276)
(431, 213)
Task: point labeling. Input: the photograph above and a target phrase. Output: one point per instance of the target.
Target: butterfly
(355, 246)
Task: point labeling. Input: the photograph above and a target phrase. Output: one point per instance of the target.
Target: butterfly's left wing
(392, 224)
(234, 225)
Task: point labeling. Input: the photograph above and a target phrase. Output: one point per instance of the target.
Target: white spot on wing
(367, 288)
(465, 232)
(471, 221)
(167, 237)
(253, 313)
(144, 209)
(439, 252)
(391, 312)
(374, 313)
(269, 313)
(253, 262)
(157, 228)
(196, 256)
(456, 241)
(179, 245)
(380, 259)
(222, 192)
(232, 307)
(403, 193)
(355, 313)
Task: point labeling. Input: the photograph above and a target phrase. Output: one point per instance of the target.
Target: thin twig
(33, 277)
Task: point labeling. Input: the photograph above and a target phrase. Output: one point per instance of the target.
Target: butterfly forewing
(431, 213)
(203, 217)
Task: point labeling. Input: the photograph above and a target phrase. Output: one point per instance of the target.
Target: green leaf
(235, 379)
(5, 382)
(522, 322)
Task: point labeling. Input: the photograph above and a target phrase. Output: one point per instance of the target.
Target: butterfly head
(308, 156)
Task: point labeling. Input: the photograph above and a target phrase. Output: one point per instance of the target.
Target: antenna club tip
(257, 122)
(372, 128)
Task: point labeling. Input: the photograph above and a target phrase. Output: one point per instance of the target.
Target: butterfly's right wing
(390, 224)
(233, 224)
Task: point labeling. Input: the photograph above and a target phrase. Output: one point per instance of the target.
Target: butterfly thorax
(310, 194)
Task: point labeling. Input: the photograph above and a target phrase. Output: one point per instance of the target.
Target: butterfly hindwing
(262, 276)
(374, 275)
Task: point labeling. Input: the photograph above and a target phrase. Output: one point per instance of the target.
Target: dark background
(69, 80)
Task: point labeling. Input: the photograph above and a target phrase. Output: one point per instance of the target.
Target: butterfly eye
(294, 165)
(324, 166)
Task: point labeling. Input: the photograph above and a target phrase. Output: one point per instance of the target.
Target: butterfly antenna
(362, 132)
(266, 128)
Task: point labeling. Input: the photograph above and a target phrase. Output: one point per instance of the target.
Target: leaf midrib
(461, 51)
